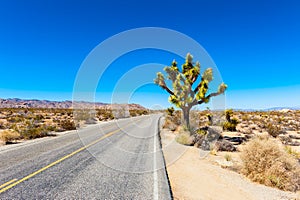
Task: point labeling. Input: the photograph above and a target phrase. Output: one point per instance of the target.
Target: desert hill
(35, 103)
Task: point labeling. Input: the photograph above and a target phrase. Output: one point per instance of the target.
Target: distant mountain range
(283, 108)
(35, 103)
(270, 109)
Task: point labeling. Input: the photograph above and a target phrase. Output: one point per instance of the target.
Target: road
(121, 159)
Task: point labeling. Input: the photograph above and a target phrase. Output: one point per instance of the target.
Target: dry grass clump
(228, 157)
(8, 136)
(265, 162)
(292, 152)
(185, 138)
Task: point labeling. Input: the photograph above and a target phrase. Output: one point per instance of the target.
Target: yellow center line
(12, 183)
(7, 183)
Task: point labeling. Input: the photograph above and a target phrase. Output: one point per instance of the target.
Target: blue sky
(255, 45)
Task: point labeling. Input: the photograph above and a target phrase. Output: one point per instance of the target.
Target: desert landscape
(29, 119)
(150, 100)
(255, 152)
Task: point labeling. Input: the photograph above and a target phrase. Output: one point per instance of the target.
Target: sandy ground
(195, 177)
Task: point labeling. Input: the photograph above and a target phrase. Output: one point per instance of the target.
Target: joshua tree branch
(209, 96)
(167, 89)
(196, 89)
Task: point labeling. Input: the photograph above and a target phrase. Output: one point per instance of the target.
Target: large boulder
(213, 135)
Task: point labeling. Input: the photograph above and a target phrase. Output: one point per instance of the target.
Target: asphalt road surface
(121, 159)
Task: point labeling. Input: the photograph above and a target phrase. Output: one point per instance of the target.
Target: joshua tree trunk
(186, 117)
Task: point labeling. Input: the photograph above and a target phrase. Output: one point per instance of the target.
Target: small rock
(224, 163)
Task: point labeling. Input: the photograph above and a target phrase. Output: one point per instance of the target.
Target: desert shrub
(201, 132)
(2, 125)
(106, 114)
(82, 114)
(50, 128)
(110, 116)
(170, 111)
(230, 126)
(15, 119)
(70, 113)
(67, 125)
(39, 117)
(176, 118)
(172, 122)
(9, 136)
(168, 124)
(133, 113)
(265, 162)
(285, 139)
(273, 130)
(33, 132)
(228, 114)
(137, 112)
(144, 112)
(210, 119)
(231, 123)
(13, 126)
(185, 138)
(245, 117)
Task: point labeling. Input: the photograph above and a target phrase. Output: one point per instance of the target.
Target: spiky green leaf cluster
(208, 75)
(174, 100)
(160, 79)
(172, 71)
(222, 88)
(202, 90)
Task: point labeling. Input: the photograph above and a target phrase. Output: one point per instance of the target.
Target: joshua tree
(183, 95)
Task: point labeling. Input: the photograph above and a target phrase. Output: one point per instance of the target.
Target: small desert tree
(183, 95)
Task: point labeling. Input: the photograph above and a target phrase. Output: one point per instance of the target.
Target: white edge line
(155, 183)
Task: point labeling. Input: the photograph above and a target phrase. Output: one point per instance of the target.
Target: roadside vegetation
(266, 162)
(29, 123)
(262, 145)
